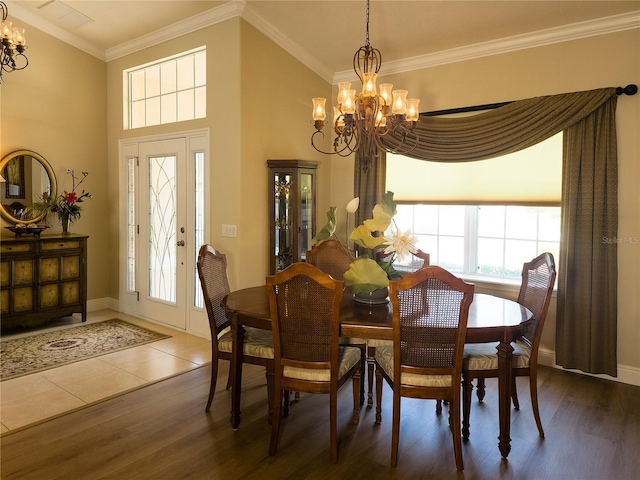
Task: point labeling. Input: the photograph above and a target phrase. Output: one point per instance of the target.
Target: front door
(165, 215)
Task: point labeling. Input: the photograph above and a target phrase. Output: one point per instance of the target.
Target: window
(482, 218)
(487, 240)
(170, 90)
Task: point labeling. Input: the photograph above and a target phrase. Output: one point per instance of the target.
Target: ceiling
(325, 34)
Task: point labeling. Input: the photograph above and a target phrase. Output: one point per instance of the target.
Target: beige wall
(258, 106)
(602, 61)
(57, 107)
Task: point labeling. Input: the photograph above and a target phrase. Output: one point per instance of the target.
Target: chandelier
(12, 45)
(361, 121)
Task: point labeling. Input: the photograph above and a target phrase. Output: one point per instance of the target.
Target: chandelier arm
(336, 151)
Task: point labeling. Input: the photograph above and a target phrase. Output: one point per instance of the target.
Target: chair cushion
(484, 356)
(257, 343)
(373, 342)
(348, 356)
(384, 357)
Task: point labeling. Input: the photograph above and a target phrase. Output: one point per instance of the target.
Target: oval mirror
(26, 175)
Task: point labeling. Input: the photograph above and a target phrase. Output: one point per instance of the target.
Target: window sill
(484, 284)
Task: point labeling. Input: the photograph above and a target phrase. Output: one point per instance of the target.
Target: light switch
(228, 230)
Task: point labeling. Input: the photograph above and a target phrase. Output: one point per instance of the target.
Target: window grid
(171, 90)
(453, 236)
(199, 214)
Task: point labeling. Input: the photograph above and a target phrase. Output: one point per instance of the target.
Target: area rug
(36, 353)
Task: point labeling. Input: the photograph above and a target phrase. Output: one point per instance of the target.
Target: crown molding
(239, 8)
(189, 25)
(299, 53)
(565, 33)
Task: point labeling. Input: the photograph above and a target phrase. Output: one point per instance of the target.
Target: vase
(64, 219)
(377, 297)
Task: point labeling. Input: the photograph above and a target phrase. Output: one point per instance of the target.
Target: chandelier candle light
(12, 45)
(360, 121)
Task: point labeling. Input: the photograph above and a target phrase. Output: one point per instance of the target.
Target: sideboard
(42, 278)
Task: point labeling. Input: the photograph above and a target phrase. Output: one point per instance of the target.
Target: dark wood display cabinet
(292, 211)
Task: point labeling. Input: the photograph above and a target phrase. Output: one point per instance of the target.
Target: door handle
(180, 243)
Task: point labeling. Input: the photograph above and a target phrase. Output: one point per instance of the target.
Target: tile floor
(32, 398)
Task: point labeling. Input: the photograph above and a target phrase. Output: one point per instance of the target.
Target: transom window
(173, 89)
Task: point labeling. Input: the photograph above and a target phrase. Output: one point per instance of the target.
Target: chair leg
(363, 364)
(333, 423)
(467, 390)
(533, 387)
(275, 424)
(454, 415)
(395, 428)
(214, 380)
(287, 394)
(371, 352)
(514, 393)
(229, 379)
(357, 400)
(480, 388)
(439, 407)
(270, 374)
(378, 396)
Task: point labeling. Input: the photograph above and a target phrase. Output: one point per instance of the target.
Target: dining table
(491, 319)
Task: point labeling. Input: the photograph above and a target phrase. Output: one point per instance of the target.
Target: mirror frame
(52, 179)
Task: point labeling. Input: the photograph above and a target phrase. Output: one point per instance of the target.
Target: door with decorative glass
(165, 228)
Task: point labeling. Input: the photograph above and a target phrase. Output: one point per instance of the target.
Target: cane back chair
(430, 313)
(305, 310)
(481, 359)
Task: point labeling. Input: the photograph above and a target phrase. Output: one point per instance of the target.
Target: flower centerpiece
(65, 206)
(372, 269)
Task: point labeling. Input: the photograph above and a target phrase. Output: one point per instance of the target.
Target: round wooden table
(491, 319)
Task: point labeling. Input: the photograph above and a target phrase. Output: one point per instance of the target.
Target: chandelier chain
(367, 35)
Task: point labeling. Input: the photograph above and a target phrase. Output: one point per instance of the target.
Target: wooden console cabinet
(42, 278)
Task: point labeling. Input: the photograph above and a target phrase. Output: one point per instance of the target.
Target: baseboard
(626, 374)
(103, 304)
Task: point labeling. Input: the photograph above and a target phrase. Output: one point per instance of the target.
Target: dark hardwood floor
(161, 432)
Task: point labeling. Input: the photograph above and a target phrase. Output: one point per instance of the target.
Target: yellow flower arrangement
(369, 272)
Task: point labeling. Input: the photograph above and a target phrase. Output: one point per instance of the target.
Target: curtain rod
(628, 90)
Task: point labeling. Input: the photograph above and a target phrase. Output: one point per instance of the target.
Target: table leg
(505, 378)
(237, 336)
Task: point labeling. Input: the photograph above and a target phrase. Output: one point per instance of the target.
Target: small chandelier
(12, 45)
(362, 121)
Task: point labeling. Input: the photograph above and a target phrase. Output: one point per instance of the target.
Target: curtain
(586, 320)
(586, 330)
(369, 185)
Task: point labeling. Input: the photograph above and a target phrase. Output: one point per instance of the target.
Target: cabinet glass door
(283, 221)
(306, 214)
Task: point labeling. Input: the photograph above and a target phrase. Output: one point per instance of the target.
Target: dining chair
(430, 313)
(258, 344)
(420, 259)
(333, 258)
(305, 310)
(481, 359)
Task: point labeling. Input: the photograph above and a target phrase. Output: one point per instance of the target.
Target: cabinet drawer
(16, 247)
(61, 245)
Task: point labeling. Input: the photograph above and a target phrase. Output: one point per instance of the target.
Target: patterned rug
(36, 353)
